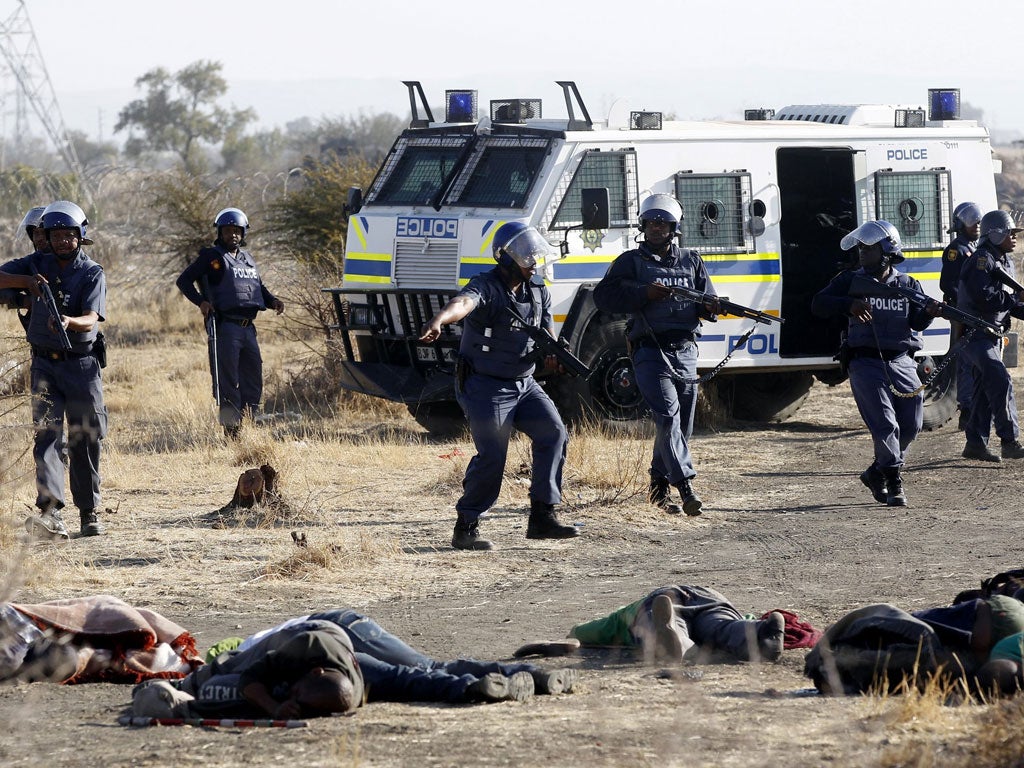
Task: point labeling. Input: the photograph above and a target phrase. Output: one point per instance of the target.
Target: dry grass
(373, 497)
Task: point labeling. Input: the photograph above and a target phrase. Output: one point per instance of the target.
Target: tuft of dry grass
(344, 552)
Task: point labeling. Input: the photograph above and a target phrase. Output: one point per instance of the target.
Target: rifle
(866, 286)
(1003, 277)
(728, 307)
(211, 341)
(51, 307)
(547, 345)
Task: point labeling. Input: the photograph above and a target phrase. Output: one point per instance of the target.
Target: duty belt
(877, 354)
(677, 341)
(57, 354)
(245, 322)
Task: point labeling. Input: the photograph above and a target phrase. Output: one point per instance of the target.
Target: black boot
(544, 523)
(894, 496)
(90, 523)
(873, 478)
(467, 536)
(658, 495)
(691, 501)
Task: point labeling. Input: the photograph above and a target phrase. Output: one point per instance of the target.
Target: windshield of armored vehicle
(501, 173)
(416, 169)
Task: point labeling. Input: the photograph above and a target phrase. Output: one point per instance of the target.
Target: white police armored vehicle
(766, 201)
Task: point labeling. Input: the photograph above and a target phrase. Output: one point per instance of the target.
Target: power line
(25, 63)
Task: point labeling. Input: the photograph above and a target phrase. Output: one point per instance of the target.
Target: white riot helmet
(661, 207)
(64, 214)
(872, 232)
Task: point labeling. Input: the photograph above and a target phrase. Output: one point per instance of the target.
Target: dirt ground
(787, 525)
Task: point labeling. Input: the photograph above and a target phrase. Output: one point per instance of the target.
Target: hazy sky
(294, 58)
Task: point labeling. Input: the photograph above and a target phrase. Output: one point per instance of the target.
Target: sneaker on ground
(496, 687)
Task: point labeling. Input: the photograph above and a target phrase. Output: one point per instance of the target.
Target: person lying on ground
(677, 623)
(881, 647)
(391, 670)
(308, 670)
(98, 638)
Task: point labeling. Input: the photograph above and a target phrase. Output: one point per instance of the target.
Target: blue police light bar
(943, 103)
(460, 106)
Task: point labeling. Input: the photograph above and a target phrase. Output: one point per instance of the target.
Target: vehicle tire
(764, 397)
(940, 396)
(443, 418)
(611, 394)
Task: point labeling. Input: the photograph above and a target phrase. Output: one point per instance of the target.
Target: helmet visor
(869, 233)
(528, 248)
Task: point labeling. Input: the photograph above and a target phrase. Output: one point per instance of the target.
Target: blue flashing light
(943, 103)
(461, 106)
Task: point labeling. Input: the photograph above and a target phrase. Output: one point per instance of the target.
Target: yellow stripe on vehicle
(354, 226)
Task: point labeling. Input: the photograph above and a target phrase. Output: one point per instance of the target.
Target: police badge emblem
(592, 239)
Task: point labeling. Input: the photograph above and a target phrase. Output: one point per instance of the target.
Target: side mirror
(353, 201)
(596, 205)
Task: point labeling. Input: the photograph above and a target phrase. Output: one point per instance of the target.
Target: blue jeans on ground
(394, 671)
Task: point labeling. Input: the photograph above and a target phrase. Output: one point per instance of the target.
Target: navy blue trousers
(69, 389)
(494, 407)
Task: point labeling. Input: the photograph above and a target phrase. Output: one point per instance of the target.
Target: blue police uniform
(237, 293)
(663, 336)
(66, 385)
(882, 354)
(499, 393)
(981, 294)
(953, 259)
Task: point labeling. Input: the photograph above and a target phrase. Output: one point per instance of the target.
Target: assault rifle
(547, 345)
(866, 286)
(728, 307)
(51, 307)
(1005, 279)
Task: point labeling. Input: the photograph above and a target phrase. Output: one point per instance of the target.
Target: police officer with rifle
(663, 335)
(965, 229)
(983, 291)
(67, 355)
(883, 334)
(504, 310)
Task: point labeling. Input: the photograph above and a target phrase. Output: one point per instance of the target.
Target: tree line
(185, 155)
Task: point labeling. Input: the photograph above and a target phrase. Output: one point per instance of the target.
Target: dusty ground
(787, 525)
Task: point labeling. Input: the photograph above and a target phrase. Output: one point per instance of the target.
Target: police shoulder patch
(983, 263)
(216, 265)
(952, 254)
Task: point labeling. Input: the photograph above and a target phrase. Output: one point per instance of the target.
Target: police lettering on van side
(907, 153)
(422, 226)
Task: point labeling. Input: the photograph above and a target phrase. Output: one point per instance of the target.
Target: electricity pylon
(25, 63)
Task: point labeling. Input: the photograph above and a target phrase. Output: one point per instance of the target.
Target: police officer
(496, 388)
(32, 228)
(230, 286)
(981, 293)
(966, 226)
(883, 334)
(663, 336)
(65, 384)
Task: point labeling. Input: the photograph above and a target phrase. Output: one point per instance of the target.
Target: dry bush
(997, 742)
(611, 465)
